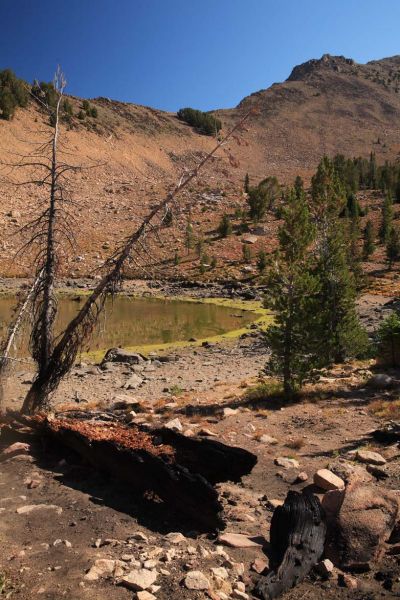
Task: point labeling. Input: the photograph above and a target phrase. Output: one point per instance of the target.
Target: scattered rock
(139, 579)
(207, 432)
(287, 463)
(220, 572)
(326, 480)
(228, 412)
(267, 439)
(144, 595)
(122, 356)
(133, 382)
(371, 458)
(30, 508)
(239, 540)
(174, 424)
(196, 580)
(174, 538)
(15, 449)
(380, 381)
(302, 477)
(365, 520)
(101, 568)
(259, 565)
(325, 568)
(348, 581)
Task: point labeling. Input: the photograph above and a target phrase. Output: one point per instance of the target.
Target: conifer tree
(387, 219)
(246, 252)
(369, 240)
(341, 330)
(261, 261)
(292, 291)
(225, 226)
(393, 247)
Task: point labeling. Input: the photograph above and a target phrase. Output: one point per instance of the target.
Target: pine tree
(387, 219)
(225, 226)
(393, 247)
(342, 335)
(369, 240)
(341, 331)
(261, 261)
(299, 186)
(189, 237)
(292, 291)
(372, 172)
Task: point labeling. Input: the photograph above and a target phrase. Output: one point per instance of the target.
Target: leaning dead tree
(51, 226)
(57, 361)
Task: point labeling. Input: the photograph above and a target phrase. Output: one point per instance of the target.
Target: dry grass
(296, 443)
(386, 409)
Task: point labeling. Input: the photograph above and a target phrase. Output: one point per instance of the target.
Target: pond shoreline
(142, 289)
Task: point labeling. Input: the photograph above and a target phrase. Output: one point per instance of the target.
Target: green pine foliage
(393, 247)
(387, 219)
(225, 226)
(261, 261)
(369, 240)
(13, 93)
(204, 122)
(246, 253)
(262, 198)
(246, 185)
(292, 293)
(342, 335)
(388, 341)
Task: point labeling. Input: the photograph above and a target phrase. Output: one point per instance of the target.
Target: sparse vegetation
(13, 93)
(225, 226)
(204, 122)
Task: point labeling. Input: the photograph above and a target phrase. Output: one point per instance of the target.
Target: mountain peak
(327, 61)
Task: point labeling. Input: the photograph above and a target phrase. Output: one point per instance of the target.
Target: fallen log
(158, 461)
(297, 538)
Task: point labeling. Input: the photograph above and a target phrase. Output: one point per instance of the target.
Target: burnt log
(214, 460)
(297, 538)
(158, 461)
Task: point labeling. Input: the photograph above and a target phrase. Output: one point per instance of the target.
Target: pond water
(131, 321)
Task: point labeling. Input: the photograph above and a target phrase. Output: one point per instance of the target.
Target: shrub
(86, 105)
(388, 341)
(93, 112)
(67, 107)
(45, 92)
(261, 261)
(204, 122)
(13, 93)
(81, 115)
(225, 226)
(246, 252)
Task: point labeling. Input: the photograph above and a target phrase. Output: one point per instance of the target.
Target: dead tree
(62, 357)
(46, 231)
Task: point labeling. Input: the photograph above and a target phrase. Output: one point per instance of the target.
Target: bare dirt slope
(326, 106)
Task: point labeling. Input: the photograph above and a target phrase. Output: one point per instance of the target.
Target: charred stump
(297, 540)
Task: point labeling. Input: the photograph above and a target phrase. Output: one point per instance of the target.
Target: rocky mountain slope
(327, 106)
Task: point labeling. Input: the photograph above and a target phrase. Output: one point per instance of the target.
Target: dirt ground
(48, 552)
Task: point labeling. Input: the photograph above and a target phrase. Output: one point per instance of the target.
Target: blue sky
(200, 53)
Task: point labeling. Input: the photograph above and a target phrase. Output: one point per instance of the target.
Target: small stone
(150, 564)
(238, 540)
(228, 412)
(274, 503)
(15, 449)
(325, 568)
(174, 537)
(267, 439)
(326, 480)
(30, 508)
(287, 463)
(101, 568)
(139, 579)
(259, 565)
(220, 572)
(207, 432)
(239, 595)
(174, 424)
(196, 580)
(144, 595)
(348, 581)
(138, 535)
(302, 477)
(371, 458)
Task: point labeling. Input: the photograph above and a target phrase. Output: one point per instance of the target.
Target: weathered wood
(297, 540)
(182, 478)
(212, 459)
